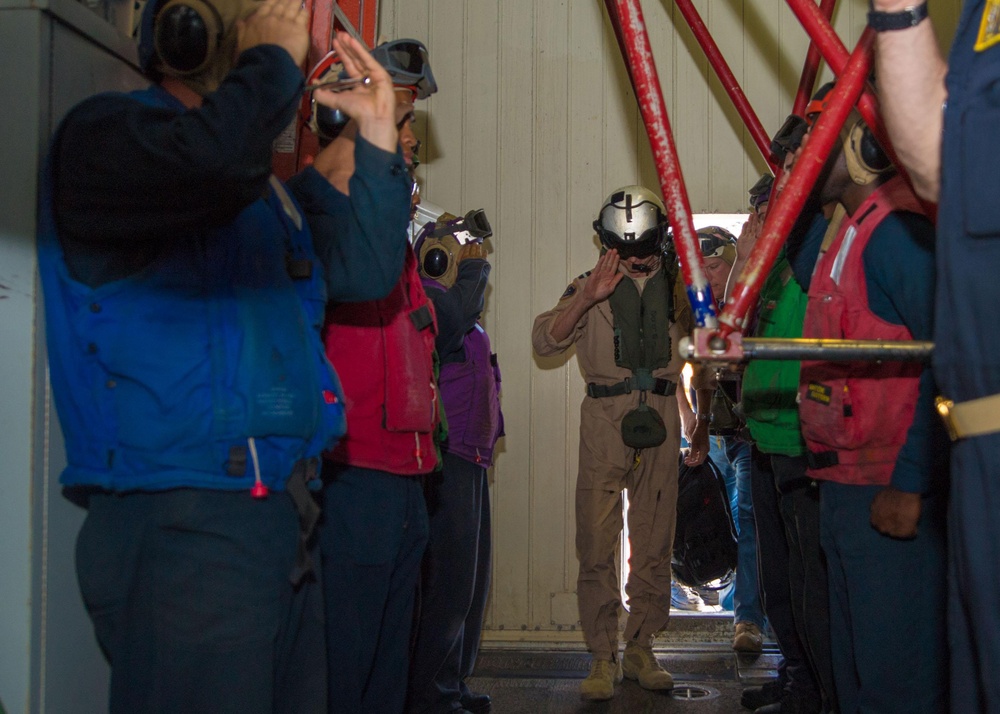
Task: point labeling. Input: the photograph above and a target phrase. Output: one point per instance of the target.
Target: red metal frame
(362, 14)
(851, 90)
(760, 137)
(786, 207)
(645, 80)
(811, 68)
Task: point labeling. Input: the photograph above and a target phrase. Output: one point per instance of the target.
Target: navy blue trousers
(887, 606)
(974, 569)
(372, 537)
(775, 580)
(454, 587)
(191, 600)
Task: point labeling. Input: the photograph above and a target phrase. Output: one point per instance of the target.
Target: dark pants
(453, 588)
(798, 498)
(974, 568)
(887, 606)
(372, 537)
(191, 600)
(773, 557)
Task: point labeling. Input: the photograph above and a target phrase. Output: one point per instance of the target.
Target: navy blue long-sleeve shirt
(129, 178)
(459, 307)
(899, 277)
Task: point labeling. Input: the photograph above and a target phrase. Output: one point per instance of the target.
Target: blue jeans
(732, 456)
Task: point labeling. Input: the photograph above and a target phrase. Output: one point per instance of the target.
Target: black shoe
(791, 703)
(477, 703)
(754, 698)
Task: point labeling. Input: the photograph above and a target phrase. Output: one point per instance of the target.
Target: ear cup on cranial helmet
(435, 261)
(186, 35)
(871, 153)
(325, 122)
(438, 259)
(865, 158)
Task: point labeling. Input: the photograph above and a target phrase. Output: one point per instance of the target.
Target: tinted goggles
(760, 192)
(475, 223)
(712, 245)
(789, 136)
(406, 62)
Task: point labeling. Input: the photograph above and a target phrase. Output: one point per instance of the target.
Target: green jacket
(770, 386)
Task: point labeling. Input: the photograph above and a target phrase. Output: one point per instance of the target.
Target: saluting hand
(276, 22)
(748, 237)
(373, 106)
(604, 278)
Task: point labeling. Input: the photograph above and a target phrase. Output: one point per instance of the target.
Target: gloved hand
(472, 251)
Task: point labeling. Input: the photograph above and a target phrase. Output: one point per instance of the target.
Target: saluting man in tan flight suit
(626, 327)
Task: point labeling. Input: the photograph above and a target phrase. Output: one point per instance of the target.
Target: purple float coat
(470, 378)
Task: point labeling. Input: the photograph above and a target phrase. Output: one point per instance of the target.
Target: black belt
(822, 459)
(794, 484)
(663, 387)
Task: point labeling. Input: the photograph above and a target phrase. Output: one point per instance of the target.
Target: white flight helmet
(632, 220)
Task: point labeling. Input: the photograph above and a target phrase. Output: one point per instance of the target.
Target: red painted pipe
(642, 69)
(818, 28)
(728, 79)
(616, 25)
(811, 67)
(830, 46)
(784, 212)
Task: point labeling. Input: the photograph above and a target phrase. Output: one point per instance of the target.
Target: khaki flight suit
(607, 466)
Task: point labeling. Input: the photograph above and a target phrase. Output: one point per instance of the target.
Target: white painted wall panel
(536, 122)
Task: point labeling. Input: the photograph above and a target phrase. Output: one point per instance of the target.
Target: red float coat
(855, 415)
(383, 351)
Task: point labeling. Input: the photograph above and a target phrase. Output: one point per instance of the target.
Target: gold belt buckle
(944, 407)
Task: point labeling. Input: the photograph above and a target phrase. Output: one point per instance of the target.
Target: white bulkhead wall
(535, 121)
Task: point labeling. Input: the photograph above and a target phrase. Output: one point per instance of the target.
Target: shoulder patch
(989, 26)
(571, 288)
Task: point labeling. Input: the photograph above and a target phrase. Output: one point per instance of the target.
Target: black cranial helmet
(633, 221)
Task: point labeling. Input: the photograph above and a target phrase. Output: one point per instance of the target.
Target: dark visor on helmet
(632, 246)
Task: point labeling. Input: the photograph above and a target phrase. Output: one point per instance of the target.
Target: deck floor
(709, 676)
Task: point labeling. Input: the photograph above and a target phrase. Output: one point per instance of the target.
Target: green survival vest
(770, 386)
(642, 325)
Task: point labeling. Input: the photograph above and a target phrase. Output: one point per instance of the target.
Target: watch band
(905, 18)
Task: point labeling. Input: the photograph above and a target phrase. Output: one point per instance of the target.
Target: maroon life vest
(855, 415)
(383, 351)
